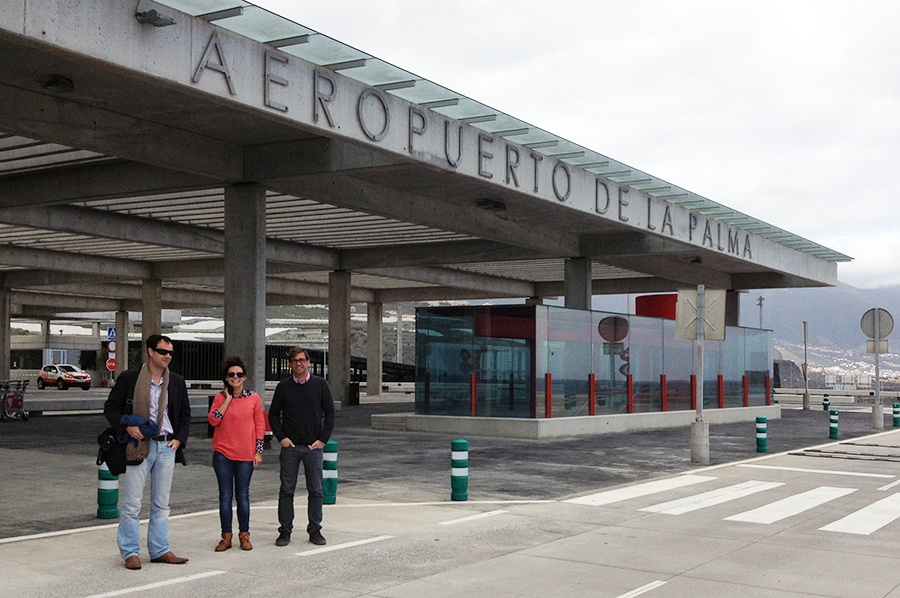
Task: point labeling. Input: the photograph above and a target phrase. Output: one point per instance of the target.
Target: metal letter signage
(221, 66)
(318, 98)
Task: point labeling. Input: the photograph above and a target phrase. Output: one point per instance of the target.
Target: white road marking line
(889, 486)
(868, 519)
(473, 517)
(620, 494)
(792, 505)
(342, 546)
(159, 584)
(642, 590)
(823, 471)
(713, 497)
(784, 453)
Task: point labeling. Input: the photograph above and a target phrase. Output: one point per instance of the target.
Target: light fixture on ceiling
(153, 17)
(491, 205)
(58, 84)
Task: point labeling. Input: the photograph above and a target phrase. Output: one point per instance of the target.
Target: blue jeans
(159, 465)
(234, 481)
(290, 459)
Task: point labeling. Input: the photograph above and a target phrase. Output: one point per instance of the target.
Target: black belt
(164, 438)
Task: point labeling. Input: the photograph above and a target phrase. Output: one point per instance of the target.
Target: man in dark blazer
(148, 392)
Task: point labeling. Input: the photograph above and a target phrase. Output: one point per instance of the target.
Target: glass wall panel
(712, 365)
(610, 361)
(459, 347)
(678, 358)
(569, 360)
(732, 356)
(759, 359)
(645, 362)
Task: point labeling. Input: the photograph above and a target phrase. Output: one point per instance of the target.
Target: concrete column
(151, 311)
(245, 279)
(121, 342)
(374, 350)
(339, 334)
(732, 308)
(578, 283)
(5, 332)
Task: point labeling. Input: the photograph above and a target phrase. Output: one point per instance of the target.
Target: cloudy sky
(788, 111)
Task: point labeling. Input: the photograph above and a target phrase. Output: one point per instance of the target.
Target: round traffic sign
(111, 346)
(613, 329)
(111, 364)
(885, 323)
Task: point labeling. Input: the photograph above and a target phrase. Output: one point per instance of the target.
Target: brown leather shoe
(170, 559)
(133, 562)
(225, 542)
(245, 541)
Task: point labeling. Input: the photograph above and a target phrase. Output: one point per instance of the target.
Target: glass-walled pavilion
(536, 361)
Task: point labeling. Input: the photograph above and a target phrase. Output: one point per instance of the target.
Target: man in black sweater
(302, 418)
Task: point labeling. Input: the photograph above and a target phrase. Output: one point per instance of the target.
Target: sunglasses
(233, 374)
(164, 352)
(299, 360)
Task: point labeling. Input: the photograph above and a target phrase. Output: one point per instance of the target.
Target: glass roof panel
(202, 7)
(262, 25)
(323, 50)
(258, 24)
(378, 72)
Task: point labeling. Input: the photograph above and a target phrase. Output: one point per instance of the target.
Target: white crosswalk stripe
(868, 519)
(792, 505)
(713, 497)
(619, 494)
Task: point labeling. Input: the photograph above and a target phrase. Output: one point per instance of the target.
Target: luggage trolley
(13, 403)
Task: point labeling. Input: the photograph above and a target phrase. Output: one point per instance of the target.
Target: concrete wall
(564, 426)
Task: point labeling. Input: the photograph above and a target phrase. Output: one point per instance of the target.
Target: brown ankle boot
(225, 542)
(245, 541)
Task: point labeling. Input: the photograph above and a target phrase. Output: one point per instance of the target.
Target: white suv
(63, 375)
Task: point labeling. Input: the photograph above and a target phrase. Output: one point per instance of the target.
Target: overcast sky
(788, 111)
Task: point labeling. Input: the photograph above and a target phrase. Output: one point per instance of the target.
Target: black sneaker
(317, 538)
(284, 539)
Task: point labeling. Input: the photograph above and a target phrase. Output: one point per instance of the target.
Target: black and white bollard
(459, 470)
(833, 424)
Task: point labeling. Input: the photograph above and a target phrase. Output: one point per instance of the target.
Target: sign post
(877, 324)
(803, 333)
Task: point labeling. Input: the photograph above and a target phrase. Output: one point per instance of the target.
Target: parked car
(63, 375)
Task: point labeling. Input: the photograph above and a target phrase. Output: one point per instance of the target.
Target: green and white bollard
(826, 403)
(761, 435)
(107, 493)
(897, 415)
(833, 426)
(329, 473)
(459, 470)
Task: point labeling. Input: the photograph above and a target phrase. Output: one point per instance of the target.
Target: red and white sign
(111, 364)
(111, 347)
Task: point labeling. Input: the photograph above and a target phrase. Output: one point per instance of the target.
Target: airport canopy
(122, 132)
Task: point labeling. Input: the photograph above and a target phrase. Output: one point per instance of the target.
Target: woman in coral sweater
(237, 417)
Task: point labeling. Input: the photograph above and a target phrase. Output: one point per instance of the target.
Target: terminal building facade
(218, 154)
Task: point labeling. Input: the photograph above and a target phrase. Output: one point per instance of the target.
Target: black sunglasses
(164, 352)
(233, 374)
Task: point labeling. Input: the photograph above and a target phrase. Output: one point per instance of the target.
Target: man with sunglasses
(302, 418)
(153, 393)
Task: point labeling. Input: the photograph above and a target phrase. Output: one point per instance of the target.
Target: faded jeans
(160, 466)
(290, 459)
